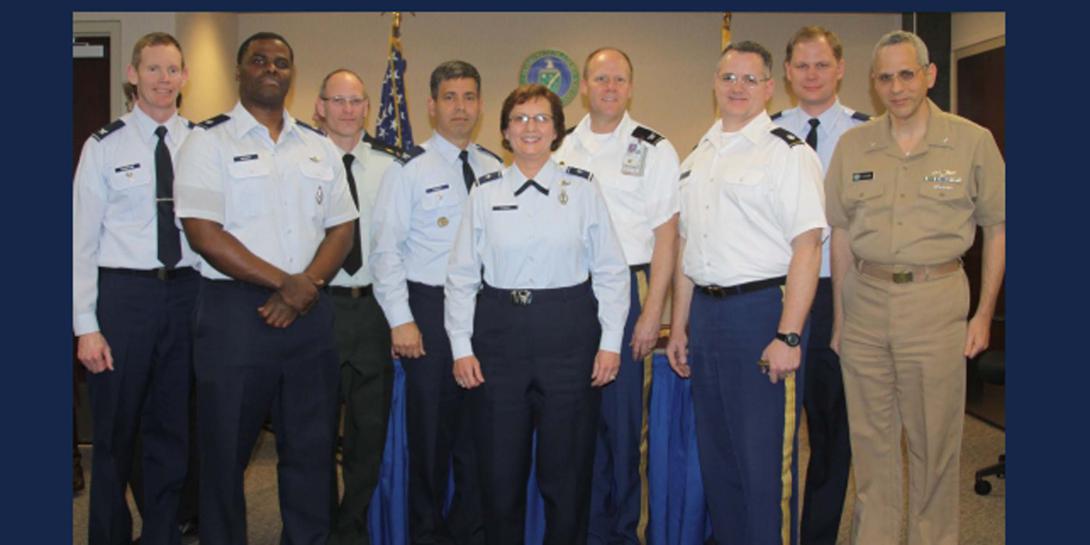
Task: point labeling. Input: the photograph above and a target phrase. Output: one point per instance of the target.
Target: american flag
(393, 116)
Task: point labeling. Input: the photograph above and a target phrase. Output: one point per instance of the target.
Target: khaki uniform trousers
(902, 351)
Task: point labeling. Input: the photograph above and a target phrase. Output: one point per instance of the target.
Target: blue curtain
(678, 515)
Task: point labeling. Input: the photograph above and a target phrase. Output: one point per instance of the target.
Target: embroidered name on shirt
(126, 168)
(862, 176)
(242, 158)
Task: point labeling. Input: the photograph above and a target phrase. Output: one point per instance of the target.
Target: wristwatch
(790, 339)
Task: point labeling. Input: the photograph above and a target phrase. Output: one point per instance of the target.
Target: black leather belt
(162, 273)
(640, 267)
(727, 291)
(355, 292)
(524, 298)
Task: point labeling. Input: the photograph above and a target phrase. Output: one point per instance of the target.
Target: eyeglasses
(749, 80)
(524, 119)
(343, 101)
(906, 76)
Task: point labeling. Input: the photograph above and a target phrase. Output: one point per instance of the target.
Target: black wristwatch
(790, 339)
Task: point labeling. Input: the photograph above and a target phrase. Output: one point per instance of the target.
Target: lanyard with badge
(635, 159)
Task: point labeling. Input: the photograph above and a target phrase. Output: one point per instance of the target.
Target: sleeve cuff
(400, 314)
(461, 346)
(611, 341)
(85, 323)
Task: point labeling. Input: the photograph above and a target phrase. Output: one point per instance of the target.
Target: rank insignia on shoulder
(108, 129)
(489, 177)
(190, 125)
(311, 128)
(395, 152)
(860, 116)
(213, 121)
(574, 171)
(647, 135)
(776, 116)
(489, 152)
(862, 176)
(787, 136)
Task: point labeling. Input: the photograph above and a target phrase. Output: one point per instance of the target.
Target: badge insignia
(563, 197)
(318, 195)
(634, 160)
(315, 159)
(943, 177)
(442, 221)
(565, 182)
(553, 69)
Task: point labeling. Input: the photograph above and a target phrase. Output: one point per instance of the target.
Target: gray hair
(902, 37)
(750, 47)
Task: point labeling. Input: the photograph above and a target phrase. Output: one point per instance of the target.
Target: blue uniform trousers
(435, 417)
(245, 370)
(615, 491)
(827, 426)
(147, 323)
(745, 426)
(537, 361)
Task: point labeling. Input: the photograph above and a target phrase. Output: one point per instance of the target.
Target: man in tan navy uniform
(904, 195)
(363, 339)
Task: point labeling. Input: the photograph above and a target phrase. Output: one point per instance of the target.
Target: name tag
(862, 176)
(241, 158)
(437, 188)
(506, 207)
(126, 168)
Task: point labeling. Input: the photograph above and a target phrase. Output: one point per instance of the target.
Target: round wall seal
(553, 69)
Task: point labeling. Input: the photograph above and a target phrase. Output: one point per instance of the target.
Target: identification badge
(127, 168)
(635, 158)
(862, 176)
(506, 207)
(244, 158)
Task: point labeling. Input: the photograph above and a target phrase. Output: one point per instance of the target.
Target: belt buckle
(522, 297)
(162, 273)
(903, 277)
(357, 292)
(717, 291)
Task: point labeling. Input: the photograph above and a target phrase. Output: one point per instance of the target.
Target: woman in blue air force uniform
(536, 298)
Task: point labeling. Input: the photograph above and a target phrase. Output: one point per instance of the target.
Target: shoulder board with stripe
(410, 154)
(108, 129)
(569, 130)
(776, 115)
(787, 136)
(647, 135)
(489, 152)
(860, 116)
(579, 172)
(212, 122)
(394, 151)
(303, 124)
(491, 176)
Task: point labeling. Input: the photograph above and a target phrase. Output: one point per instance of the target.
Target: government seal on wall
(553, 69)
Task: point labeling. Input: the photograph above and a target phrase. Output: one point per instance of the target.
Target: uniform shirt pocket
(317, 189)
(132, 192)
(246, 191)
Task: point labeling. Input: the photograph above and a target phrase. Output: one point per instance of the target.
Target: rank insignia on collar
(315, 159)
(318, 195)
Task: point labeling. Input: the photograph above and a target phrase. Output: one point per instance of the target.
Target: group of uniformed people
(285, 265)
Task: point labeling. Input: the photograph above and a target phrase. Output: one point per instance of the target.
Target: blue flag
(393, 115)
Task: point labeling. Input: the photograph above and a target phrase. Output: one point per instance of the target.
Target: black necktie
(467, 171)
(354, 261)
(533, 183)
(170, 245)
(811, 138)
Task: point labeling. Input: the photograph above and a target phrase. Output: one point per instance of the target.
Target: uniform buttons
(902, 195)
(900, 223)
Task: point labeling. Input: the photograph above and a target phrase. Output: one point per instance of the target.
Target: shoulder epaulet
(410, 154)
(570, 130)
(776, 115)
(787, 136)
(647, 135)
(108, 129)
(312, 128)
(490, 152)
(189, 124)
(579, 172)
(394, 151)
(860, 116)
(489, 177)
(212, 122)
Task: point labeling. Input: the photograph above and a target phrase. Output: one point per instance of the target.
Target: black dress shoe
(189, 527)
